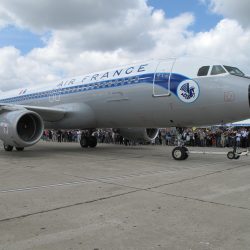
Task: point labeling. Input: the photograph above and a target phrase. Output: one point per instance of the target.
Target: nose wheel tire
(180, 153)
(8, 148)
(232, 156)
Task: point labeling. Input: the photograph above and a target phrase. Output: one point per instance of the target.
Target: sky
(204, 18)
(44, 41)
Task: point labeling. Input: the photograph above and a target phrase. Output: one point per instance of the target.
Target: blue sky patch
(21, 39)
(204, 19)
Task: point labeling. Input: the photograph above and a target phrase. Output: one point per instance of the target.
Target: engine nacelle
(21, 128)
(143, 134)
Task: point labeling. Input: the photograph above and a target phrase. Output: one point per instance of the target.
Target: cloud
(87, 36)
(5, 19)
(227, 41)
(88, 25)
(171, 38)
(60, 15)
(129, 31)
(18, 71)
(238, 10)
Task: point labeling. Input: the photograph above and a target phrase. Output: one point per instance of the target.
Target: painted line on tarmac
(45, 186)
(86, 180)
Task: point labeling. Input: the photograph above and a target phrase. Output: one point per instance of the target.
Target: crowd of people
(218, 137)
(102, 135)
(199, 137)
(62, 135)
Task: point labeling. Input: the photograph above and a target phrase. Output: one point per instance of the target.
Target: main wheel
(8, 148)
(84, 142)
(92, 141)
(19, 149)
(180, 153)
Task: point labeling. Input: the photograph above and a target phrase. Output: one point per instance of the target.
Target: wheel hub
(177, 153)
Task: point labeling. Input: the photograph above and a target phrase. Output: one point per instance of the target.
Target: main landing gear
(88, 141)
(9, 148)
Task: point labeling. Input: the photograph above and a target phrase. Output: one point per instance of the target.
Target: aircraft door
(162, 78)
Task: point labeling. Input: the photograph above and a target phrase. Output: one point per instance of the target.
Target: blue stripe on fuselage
(161, 79)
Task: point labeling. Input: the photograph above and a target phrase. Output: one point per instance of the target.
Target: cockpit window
(203, 71)
(234, 71)
(217, 70)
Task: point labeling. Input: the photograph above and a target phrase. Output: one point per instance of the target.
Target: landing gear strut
(180, 153)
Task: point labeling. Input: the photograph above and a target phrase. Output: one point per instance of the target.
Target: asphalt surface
(59, 196)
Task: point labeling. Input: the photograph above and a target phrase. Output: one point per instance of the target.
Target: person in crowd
(59, 136)
(202, 137)
(244, 137)
(168, 138)
(238, 139)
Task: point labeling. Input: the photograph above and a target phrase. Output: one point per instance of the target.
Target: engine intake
(21, 128)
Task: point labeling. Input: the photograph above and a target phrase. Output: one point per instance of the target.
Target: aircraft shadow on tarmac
(47, 150)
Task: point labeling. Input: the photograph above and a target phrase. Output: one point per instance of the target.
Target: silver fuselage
(139, 96)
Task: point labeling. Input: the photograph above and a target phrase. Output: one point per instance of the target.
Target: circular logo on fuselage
(188, 91)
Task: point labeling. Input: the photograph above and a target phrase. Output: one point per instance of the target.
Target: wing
(48, 114)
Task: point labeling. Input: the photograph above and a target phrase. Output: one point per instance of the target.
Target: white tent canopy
(245, 123)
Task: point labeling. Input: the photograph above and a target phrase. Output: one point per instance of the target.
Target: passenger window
(217, 70)
(203, 71)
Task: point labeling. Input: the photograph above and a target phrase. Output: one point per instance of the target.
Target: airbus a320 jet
(135, 100)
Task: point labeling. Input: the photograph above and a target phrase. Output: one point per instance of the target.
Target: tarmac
(60, 196)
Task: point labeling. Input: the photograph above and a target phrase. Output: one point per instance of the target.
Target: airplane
(135, 100)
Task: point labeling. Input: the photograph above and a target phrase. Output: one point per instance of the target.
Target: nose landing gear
(235, 154)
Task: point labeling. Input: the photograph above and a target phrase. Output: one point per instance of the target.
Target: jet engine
(20, 128)
(143, 134)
